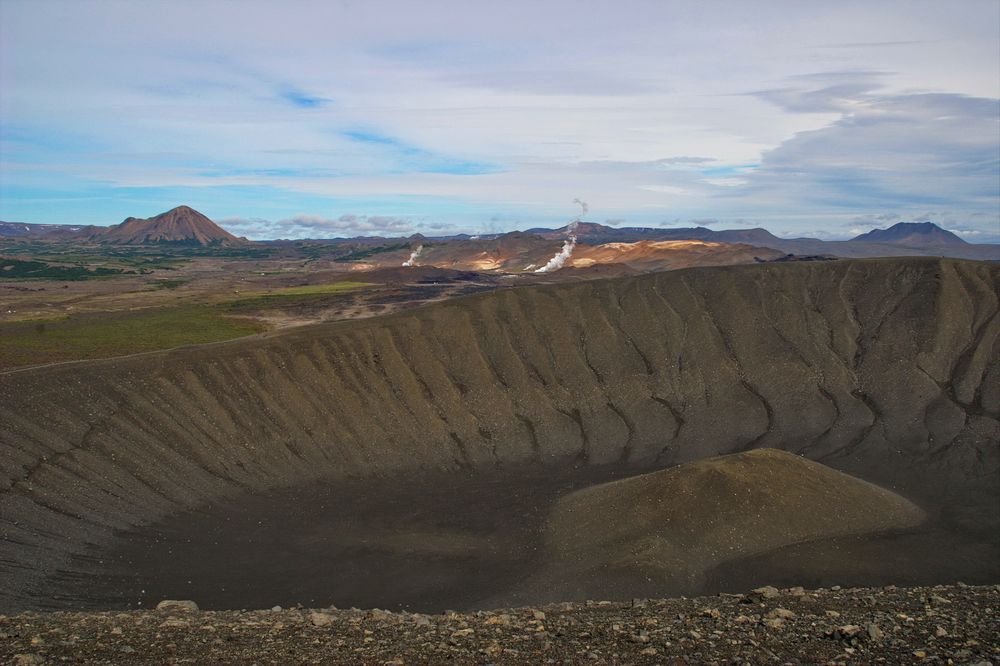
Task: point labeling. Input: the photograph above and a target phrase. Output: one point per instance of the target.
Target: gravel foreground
(928, 625)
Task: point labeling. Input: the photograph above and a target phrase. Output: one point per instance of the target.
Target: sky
(324, 119)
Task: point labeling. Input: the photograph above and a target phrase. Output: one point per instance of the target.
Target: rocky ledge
(933, 625)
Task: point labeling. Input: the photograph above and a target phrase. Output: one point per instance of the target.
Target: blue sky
(340, 118)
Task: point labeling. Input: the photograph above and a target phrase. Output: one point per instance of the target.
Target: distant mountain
(904, 239)
(49, 231)
(597, 234)
(755, 236)
(911, 234)
(181, 225)
(518, 249)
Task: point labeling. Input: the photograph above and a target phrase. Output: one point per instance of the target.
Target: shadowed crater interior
(672, 433)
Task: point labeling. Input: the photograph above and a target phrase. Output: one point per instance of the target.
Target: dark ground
(939, 625)
(416, 543)
(430, 542)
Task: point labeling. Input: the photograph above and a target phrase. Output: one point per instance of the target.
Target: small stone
(847, 631)
(773, 622)
(537, 615)
(767, 592)
(712, 613)
(461, 633)
(832, 613)
(275, 609)
(694, 634)
(874, 632)
(174, 623)
(797, 591)
(320, 619)
(650, 651)
(175, 604)
(919, 654)
(27, 660)
(940, 632)
(781, 614)
(116, 631)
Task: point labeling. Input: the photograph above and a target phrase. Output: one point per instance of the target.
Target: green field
(20, 269)
(75, 261)
(364, 253)
(105, 334)
(291, 296)
(101, 335)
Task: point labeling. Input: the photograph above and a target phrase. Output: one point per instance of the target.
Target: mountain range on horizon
(180, 225)
(184, 225)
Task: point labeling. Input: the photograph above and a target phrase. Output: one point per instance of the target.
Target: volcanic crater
(672, 433)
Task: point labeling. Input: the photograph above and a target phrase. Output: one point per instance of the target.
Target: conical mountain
(182, 225)
(912, 234)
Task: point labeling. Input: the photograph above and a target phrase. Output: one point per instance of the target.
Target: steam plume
(413, 256)
(556, 262)
(571, 227)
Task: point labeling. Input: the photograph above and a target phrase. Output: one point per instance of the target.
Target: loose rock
(173, 604)
(867, 629)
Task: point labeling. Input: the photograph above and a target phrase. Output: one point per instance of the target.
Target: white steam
(556, 262)
(413, 256)
(571, 227)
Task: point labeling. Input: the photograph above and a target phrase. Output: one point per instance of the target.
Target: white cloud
(316, 226)
(850, 109)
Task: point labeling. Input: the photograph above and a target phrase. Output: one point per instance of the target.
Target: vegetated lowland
(686, 432)
(178, 278)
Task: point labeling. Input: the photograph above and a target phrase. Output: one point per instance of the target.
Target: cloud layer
(328, 118)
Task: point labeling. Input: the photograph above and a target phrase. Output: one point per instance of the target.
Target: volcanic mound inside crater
(668, 528)
(526, 445)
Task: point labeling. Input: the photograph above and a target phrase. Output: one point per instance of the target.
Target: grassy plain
(116, 334)
(62, 301)
(292, 296)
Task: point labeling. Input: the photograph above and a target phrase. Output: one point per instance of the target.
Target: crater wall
(886, 369)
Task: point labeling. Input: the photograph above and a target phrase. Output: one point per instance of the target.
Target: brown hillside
(671, 526)
(667, 255)
(178, 225)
